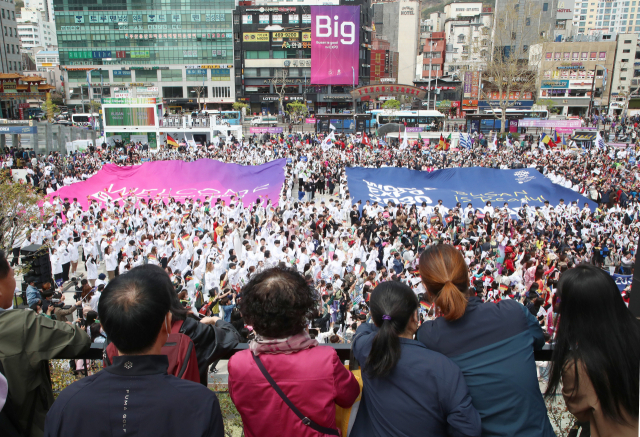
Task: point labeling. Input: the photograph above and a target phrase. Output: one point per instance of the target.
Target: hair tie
(386, 317)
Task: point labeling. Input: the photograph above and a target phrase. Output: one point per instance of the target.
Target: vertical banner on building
(467, 84)
(335, 42)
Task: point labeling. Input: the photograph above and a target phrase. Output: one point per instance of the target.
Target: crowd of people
(221, 256)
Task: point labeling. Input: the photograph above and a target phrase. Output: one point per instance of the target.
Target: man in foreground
(135, 396)
(27, 342)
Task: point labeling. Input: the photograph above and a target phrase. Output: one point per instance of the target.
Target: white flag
(332, 127)
(600, 141)
(405, 143)
(494, 145)
(327, 143)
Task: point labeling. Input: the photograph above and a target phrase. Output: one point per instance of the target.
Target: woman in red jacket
(278, 303)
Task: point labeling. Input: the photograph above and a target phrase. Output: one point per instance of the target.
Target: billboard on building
(335, 42)
(129, 116)
(565, 9)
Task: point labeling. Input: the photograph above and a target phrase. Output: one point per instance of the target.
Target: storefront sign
(310, 120)
(255, 37)
(554, 84)
(396, 90)
(550, 123)
(265, 130)
(18, 130)
(483, 104)
(22, 95)
(130, 101)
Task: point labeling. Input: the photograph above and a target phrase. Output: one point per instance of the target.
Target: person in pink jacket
(278, 303)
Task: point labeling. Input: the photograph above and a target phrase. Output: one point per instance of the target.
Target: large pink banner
(179, 180)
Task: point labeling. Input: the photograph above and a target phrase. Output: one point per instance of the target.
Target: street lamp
(593, 84)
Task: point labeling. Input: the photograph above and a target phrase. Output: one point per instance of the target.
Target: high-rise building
(10, 57)
(606, 16)
(182, 53)
(273, 45)
(399, 23)
(624, 71)
(45, 6)
(35, 32)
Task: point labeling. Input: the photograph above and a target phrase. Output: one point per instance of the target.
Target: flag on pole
(509, 144)
(328, 141)
(405, 143)
(365, 140)
(332, 127)
(494, 144)
(600, 141)
(420, 139)
(171, 142)
(441, 143)
(447, 142)
(464, 142)
(548, 141)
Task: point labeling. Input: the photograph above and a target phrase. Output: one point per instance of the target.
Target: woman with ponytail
(407, 389)
(492, 344)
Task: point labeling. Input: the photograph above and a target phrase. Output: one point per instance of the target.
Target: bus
(538, 114)
(231, 117)
(84, 120)
(374, 118)
(417, 118)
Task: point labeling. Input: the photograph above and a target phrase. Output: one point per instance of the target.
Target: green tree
(19, 208)
(391, 104)
(297, 110)
(238, 106)
(94, 106)
(19, 5)
(549, 103)
(49, 108)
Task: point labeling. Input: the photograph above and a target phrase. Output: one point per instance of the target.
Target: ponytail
(451, 302)
(385, 351)
(392, 305)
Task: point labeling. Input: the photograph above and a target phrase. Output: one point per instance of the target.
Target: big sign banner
(179, 180)
(335, 42)
(474, 185)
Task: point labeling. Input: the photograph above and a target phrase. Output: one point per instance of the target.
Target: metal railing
(96, 350)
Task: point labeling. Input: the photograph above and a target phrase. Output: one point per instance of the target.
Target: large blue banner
(477, 185)
(622, 281)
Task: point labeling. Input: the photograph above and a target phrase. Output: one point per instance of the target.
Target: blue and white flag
(600, 141)
(465, 141)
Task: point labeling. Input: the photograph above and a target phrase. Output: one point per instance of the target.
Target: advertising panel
(129, 116)
(565, 9)
(255, 37)
(554, 84)
(335, 42)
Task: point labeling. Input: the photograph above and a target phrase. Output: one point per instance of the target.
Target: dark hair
(446, 277)
(278, 302)
(133, 307)
(399, 302)
(4, 265)
(596, 329)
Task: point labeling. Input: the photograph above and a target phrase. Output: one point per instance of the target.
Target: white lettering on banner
(385, 193)
(323, 22)
(110, 194)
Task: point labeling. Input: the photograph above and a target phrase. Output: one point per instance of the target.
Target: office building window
(171, 75)
(146, 75)
(172, 91)
(545, 7)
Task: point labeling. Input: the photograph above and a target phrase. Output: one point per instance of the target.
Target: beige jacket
(584, 404)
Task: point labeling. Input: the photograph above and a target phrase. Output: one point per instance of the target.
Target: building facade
(433, 55)
(10, 57)
(273, 56)
(467, 30)
(606, 16)
(47, 60)
(35, 32)
(182, 54)
(570, 70)
(626, 68)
